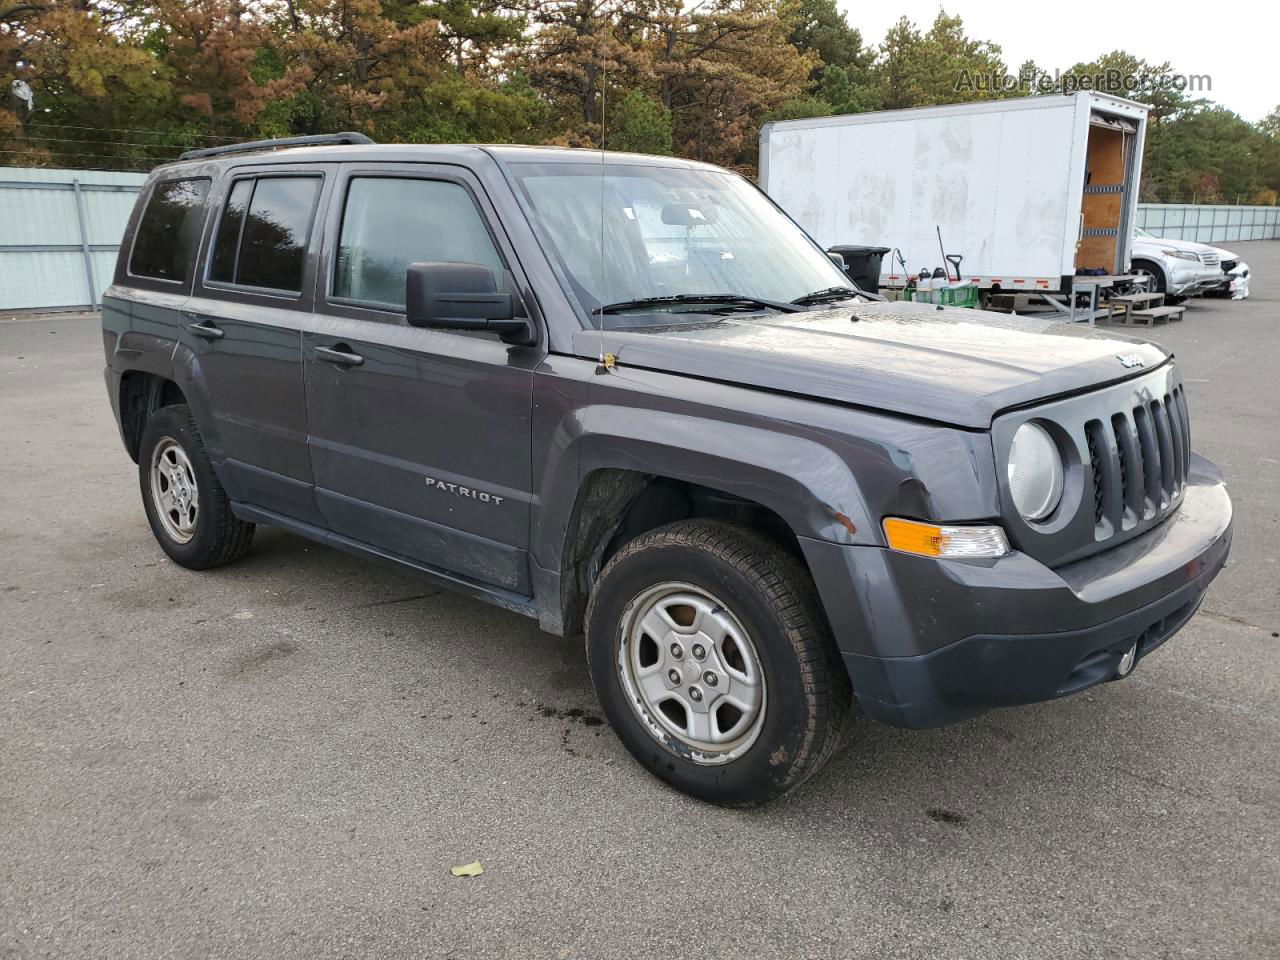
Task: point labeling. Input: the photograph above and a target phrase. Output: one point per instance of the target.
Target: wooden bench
(1124, 303)
(1149, 317)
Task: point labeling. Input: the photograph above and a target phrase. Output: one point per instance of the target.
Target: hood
(1156, 243)
(945, 364)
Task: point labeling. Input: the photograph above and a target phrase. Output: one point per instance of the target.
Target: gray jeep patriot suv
(629, 397)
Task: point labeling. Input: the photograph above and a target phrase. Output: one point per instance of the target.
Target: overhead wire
(151, 133)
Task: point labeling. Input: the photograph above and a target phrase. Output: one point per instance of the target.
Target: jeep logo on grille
(1130, 360)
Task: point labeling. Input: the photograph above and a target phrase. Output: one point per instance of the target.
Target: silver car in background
(1179, 268)
(1184, 268)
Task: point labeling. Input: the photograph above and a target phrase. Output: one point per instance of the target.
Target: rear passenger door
(243, 326)
(420, 439)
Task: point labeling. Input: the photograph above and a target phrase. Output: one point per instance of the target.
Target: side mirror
(462, 296)
(838, 261)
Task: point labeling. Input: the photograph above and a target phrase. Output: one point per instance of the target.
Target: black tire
(808, 696)
(219, 536)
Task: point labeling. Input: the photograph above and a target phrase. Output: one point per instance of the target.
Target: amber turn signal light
(940, 540)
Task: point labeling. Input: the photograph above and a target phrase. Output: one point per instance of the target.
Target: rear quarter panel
(140, 315)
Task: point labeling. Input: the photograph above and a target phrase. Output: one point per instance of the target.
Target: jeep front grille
(1209, 259)
(1126, 459)
(1139, 459)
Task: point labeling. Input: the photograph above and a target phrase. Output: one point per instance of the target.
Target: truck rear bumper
(929, 642)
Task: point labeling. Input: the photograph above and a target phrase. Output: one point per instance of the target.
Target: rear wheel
(187, 507)
(712, 658)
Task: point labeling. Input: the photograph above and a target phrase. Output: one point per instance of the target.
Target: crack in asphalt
(394, 600)
(1232, 618)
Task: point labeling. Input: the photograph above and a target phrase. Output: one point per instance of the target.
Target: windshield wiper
(826, 294)
(681, 298)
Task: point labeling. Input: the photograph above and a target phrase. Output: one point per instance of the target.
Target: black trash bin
(862, 264)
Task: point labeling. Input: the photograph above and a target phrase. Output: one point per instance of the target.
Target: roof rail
(317, 140)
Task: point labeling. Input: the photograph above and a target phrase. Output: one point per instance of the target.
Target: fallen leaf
(467, 870)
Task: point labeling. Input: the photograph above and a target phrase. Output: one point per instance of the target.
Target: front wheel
(1145, 268)
(713, 660)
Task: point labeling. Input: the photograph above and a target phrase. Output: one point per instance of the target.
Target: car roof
(466, 154)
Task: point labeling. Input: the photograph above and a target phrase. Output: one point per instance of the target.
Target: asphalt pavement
(283, 758)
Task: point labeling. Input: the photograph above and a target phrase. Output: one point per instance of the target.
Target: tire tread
(231, 536)
(790, 592)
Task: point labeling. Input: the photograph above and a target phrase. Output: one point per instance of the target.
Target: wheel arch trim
(620, 451)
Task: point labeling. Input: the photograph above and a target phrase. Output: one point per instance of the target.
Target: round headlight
(1035, 472)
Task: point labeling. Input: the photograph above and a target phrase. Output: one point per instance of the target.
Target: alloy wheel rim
(691, 673)
(174, 491)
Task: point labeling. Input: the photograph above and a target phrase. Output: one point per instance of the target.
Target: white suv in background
(1181, 268)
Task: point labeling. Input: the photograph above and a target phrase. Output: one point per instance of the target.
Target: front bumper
(929, 642)
(1235, 282)
(1192, 279)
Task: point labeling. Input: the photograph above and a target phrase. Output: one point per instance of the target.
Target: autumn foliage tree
(720, 67)
(577, 47)
(126, 84)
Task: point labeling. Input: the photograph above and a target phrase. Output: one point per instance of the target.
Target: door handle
(206, 329)
(342, 355)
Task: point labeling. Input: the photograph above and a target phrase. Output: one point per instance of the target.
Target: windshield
(622, 233)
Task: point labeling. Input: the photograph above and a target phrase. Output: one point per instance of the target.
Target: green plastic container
(962, 295)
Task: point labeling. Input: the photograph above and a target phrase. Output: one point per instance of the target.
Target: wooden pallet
(1124, 303)
(1150, 317)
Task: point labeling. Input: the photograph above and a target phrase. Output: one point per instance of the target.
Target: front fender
(831, 472)
(1158, 262)
(803, 481)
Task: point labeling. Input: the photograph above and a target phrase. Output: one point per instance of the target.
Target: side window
(389, 223)
(263, 234)
(169, 230)
(227, 244)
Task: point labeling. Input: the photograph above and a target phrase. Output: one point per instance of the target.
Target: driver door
(419, 438)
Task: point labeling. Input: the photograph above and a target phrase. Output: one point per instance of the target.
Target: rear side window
(228, 242)
(263, 234)
(169, 230)
(389, 223)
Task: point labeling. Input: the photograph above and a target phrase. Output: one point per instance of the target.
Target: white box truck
(1027, 190)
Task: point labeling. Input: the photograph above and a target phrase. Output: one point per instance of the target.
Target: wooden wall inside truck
(1106, 160)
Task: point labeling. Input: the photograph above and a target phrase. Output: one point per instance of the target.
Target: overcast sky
(1235, 43)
